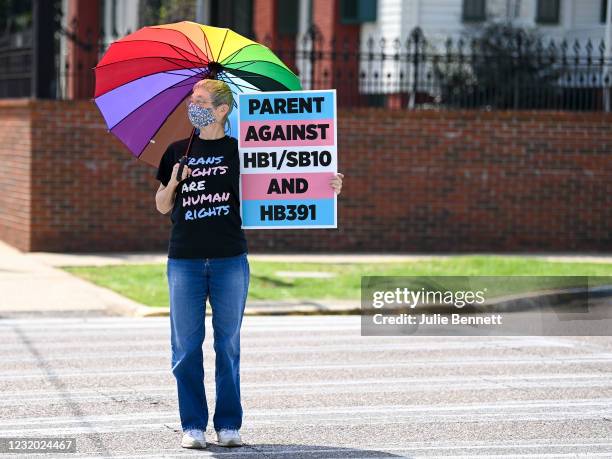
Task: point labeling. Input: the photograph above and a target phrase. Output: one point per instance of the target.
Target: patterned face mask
(200, 116)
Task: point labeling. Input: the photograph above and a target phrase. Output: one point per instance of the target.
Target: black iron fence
(503, 68)
(16, 64)
(499, 69)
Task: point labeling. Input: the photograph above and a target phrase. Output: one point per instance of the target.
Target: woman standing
(207, 258)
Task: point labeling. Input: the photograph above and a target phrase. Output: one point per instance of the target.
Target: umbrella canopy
(144, 79)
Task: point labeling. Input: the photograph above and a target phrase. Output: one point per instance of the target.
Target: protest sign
(288, 154)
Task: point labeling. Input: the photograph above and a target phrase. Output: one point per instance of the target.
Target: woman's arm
(164, 197)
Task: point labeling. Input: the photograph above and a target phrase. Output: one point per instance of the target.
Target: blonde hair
(220, 93)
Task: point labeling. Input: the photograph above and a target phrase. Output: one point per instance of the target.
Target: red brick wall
(264, 22)
(415, 181)
(84, 22)
(265, 28)
(435, 181)
(15, 143)
(88, 192)
(337, 38)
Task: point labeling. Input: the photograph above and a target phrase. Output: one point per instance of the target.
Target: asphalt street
(312, 386)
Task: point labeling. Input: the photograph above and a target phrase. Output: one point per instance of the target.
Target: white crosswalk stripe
(311, 387)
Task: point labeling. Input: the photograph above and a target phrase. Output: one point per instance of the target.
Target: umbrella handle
(179, 173)
(183, 162)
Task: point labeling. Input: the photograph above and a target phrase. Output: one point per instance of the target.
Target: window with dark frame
(604, 11)
(548, 11)
(235, 14)
(242, 12)
(348, 10)
(474, 10)
(287, 16)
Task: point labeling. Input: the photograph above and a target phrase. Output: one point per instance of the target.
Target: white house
(557, 19)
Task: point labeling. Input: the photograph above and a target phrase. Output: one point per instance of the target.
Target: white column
(203, 11)
(607, 55)
(302, 63)
(63, 51)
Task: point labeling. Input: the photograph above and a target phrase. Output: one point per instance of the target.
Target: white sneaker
(194, 438)
(229, 437)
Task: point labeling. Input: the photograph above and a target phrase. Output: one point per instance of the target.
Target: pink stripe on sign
(284, 134)
(286, 186)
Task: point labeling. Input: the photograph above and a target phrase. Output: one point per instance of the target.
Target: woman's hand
(186, 173)
(336, 182)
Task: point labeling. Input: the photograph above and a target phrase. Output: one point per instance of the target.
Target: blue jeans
(225, 281)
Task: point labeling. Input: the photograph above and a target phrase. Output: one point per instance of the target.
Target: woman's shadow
(281, 451)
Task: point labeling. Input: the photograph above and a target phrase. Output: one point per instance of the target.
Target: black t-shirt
(205, 217)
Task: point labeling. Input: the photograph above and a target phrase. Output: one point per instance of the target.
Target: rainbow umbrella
(144, 79)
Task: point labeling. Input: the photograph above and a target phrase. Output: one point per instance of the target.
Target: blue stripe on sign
(323, 209)
(327, 106)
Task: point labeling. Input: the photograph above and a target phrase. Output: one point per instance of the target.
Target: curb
(130, 308)
(510, 303)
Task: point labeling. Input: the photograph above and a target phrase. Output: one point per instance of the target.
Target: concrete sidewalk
(29, 284)
(33, 281)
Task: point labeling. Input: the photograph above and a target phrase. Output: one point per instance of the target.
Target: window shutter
(474, 10)
(548, 12)
(357, 11)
